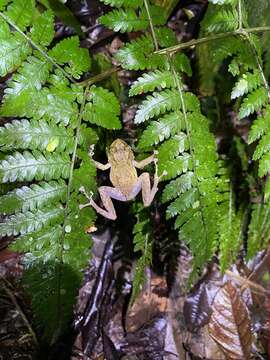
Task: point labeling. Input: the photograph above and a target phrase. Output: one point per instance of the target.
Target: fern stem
(240, 16)
(66, 208)
(34, 45)
(195, 42)
(99, 77)
(253, 48)
(151, 24)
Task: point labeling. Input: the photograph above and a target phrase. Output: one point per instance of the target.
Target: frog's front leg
(106, 193)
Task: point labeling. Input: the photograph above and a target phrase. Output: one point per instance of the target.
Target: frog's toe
(82, 189)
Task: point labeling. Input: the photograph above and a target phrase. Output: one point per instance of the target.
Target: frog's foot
(164, 173)
(91, 150)
(89, 197)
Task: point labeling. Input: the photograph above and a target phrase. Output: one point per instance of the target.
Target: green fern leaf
(21, 12)
(162, 129)
(68, 51)
(253, 102)
(127, 20)
(246, 83)
(42, 31)
(102, 108)
(3, 4)
(56, 104)
(221, 21)
(262, 147)
(29, 221)
(148, 82)
(264, 165)
(258, 231)
(139, 55)
(13, 50)
(124, 3)
(260, 126)
(29, 78)
(34, 244)
(34, 197)
(27, 166)
(178, 186)
(184, 201)
(163, 101)
(169, 159)
(25, 134)
(52, 286)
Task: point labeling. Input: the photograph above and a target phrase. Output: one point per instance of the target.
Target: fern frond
(148, 82)
(163, 101)
(42, 31)
(25, 134)
(13, 50)
(178, 186)
(34, 197)
(29, 221)
(127, 20)
(260, 126)
(47, 293)
(253, 102)
(68, 51)
(41, 89)
(139, 55)
(21, 12)
(162, 129)
(221, 21)
(102, 108)
(247, 83)
(28, 166)
(258, 231)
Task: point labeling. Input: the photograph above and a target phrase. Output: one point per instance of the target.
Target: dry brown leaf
(148, 304)
(229, 324)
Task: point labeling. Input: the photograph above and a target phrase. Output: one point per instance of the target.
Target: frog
(124, 178)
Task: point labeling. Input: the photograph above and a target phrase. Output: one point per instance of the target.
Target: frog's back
(124, 177)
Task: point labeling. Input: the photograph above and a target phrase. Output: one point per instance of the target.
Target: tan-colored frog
(124, 177)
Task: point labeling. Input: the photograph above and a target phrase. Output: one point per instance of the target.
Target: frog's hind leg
(144, 183)
(106, 193)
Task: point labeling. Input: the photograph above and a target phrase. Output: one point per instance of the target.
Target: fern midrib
(204, 222)
(66, 207)
(34, 164)
(42, 193)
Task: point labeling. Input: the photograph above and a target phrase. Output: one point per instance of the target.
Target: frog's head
(120, 151)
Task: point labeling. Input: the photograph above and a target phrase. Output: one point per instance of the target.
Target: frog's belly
(124, 180)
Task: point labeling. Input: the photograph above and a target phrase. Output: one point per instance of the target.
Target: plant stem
(240, 16)
(151, 24)
(99, 77)
(195, 42)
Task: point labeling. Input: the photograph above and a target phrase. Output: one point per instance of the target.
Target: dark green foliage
(245, 56)
(45, 156)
